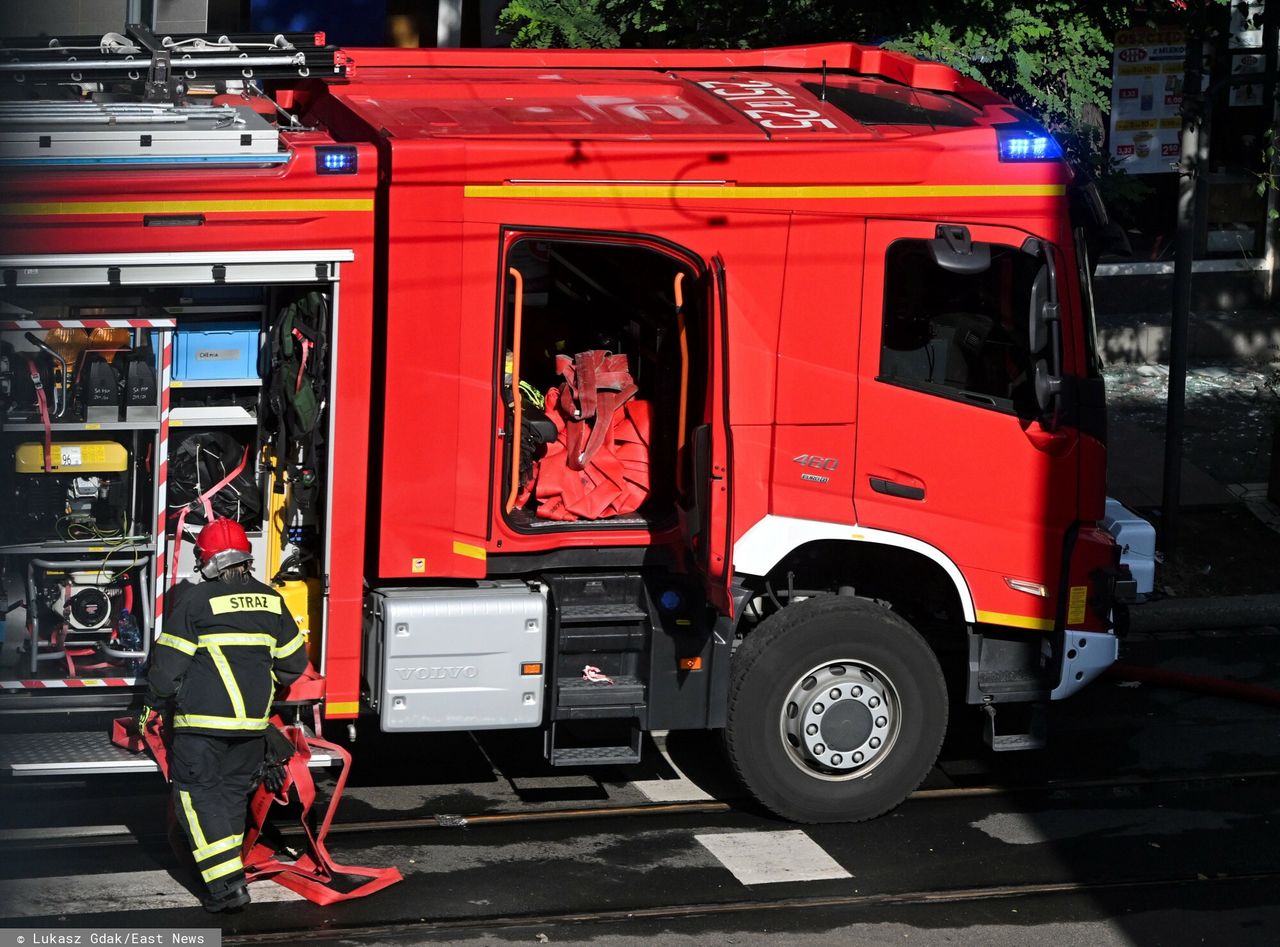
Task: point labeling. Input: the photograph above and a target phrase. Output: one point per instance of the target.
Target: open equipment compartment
(80, 405)
(109, 433)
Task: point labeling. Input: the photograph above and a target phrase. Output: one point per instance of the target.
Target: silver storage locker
(457, 659)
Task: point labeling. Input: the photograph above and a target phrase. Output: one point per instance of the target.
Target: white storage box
(456, 659)
(1137, 540)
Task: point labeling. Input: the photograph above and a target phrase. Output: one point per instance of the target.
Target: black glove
(277, 751)
(272, 777)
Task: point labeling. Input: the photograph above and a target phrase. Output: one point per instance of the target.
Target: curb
(1196, 614)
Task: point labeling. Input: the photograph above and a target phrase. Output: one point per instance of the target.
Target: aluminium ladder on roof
(165, 63)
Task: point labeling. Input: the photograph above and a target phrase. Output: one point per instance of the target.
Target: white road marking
(680, 789)
(113, 892)
(672, 790)
(758, 858)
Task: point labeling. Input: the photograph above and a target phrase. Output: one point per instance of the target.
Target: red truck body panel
(711, 154)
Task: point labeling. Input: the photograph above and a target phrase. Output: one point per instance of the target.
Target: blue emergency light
(331, 160)
(1019, 143)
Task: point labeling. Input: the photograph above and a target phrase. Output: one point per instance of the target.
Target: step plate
(574, 692)
(83, 753)
(573, 614)
(594, 756)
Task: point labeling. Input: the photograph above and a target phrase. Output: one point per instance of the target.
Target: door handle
(894, 489)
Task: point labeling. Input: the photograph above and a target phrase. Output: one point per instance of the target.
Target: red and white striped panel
(162, 578)
(167, 323)
(71, 682)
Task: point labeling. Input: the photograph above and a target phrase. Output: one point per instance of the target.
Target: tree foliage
(1051, 57)
(684, 23)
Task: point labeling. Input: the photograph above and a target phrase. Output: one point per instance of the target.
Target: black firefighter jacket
(224, 648)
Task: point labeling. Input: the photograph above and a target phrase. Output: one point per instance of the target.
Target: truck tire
(837, 710)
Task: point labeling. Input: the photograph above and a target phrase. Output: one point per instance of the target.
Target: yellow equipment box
(303, 598)
(79, 457)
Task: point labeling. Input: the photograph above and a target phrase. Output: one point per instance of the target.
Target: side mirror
(1048, 386)
(1043, 311)
(1043, 334)
(954, 250)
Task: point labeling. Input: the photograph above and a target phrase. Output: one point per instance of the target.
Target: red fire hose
(1197, 683)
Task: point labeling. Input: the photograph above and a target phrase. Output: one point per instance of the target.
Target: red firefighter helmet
(221, 544)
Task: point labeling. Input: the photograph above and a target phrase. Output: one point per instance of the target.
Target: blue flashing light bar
(330, 160)
(1019, 143)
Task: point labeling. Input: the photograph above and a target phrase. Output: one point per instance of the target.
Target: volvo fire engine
(589, 393)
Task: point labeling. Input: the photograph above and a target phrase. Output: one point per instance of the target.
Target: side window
(961, 335)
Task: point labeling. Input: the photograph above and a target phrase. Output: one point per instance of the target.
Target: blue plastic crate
(230, 351)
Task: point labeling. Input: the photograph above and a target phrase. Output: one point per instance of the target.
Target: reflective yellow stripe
(228, 679)
(288, 649)
(230, 638)
(468, 550)
(220, 723)
(225, 868)
(68, 208)
(1016, 621)
(193, 821)
(342, 707)
(218, 847)
(789, 193)
(245, 602)
(178, 644)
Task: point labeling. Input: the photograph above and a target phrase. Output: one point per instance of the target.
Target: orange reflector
(691, 664)
(531, 667)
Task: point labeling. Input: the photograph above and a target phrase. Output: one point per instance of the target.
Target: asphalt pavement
(1149, 820)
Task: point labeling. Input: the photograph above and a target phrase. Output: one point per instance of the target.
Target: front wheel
(837, 709)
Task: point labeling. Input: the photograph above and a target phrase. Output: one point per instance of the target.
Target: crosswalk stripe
(758, 858)
(680, 789)
(112, 893)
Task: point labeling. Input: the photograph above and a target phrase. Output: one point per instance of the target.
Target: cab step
(600, 656)
(1029, 731)
(580, 697)
(594, 746)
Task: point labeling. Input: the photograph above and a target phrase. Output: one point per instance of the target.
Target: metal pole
(1270, 35)
(1184, 255)
(449, 24)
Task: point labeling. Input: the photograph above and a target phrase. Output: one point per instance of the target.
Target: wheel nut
(857, 757)
(819, 749)
(857, 692)
(881, 721)
(837, 759)
(875, 743)
(818, 708)
(835, 693)
(874, 702)
(811, 730)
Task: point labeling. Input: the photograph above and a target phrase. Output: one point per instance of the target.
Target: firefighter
(225, 646)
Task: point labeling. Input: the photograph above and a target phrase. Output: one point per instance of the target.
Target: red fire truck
(591, 393)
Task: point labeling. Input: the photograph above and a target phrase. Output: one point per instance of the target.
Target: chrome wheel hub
(840, 719)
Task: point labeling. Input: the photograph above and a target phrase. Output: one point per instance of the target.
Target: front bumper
(1085, 655)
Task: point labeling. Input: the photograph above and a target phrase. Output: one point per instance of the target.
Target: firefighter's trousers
(212, 779)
